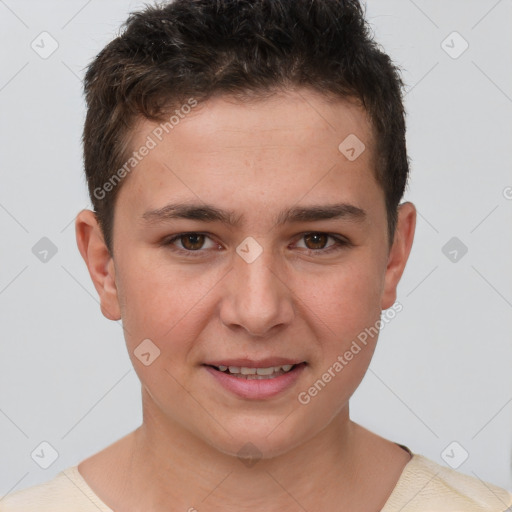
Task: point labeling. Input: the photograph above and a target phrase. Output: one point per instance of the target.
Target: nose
(257, 297)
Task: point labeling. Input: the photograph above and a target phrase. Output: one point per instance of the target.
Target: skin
(253, 158)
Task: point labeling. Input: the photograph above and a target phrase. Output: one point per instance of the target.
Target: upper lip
(251, 363)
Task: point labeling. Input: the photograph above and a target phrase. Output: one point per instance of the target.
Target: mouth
(257, 373)
(252, 379)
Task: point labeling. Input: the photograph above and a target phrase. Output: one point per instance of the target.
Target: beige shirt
(423, 486)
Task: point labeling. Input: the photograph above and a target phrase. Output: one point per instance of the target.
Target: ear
(100, 263)
(399, 252)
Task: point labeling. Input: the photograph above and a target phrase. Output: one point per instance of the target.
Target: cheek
(167, 307)
(164, 302)
(344, 301)
(346, 308)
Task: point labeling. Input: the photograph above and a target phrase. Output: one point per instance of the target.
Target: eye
(190, 243)
(315, 242)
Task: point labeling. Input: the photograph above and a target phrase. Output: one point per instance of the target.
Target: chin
(260, 442)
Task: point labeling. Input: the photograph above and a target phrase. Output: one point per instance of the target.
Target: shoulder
(426, 486)
(67, 492)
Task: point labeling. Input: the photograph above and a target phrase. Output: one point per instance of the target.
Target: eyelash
(339, 244)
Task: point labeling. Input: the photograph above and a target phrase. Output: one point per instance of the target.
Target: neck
(178, 471)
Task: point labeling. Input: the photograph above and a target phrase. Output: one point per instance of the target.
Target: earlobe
(399, 253)
(100, 264)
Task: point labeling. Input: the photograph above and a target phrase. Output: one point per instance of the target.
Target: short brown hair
(198, 48)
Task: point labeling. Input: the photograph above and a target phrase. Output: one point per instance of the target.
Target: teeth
(266, 371)
(243, 370)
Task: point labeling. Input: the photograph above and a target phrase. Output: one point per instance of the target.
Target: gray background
(442, 369)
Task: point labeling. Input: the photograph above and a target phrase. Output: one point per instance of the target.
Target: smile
(245, 372)
(255, 383)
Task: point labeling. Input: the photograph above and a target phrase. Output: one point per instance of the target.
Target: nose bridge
(259, 299)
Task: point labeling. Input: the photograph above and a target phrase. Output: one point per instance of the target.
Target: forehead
(285, 149)
(302, 118)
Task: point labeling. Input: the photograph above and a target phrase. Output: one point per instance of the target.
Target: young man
(246, 160)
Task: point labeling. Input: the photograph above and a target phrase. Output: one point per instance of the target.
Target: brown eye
(191, 244)
(192, 241)
(315, 243)
(316, 240)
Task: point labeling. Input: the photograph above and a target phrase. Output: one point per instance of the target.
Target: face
(247, 238)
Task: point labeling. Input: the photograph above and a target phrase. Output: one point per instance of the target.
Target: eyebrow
(210, 213)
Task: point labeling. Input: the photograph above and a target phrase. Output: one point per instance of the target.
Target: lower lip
(257, 389)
